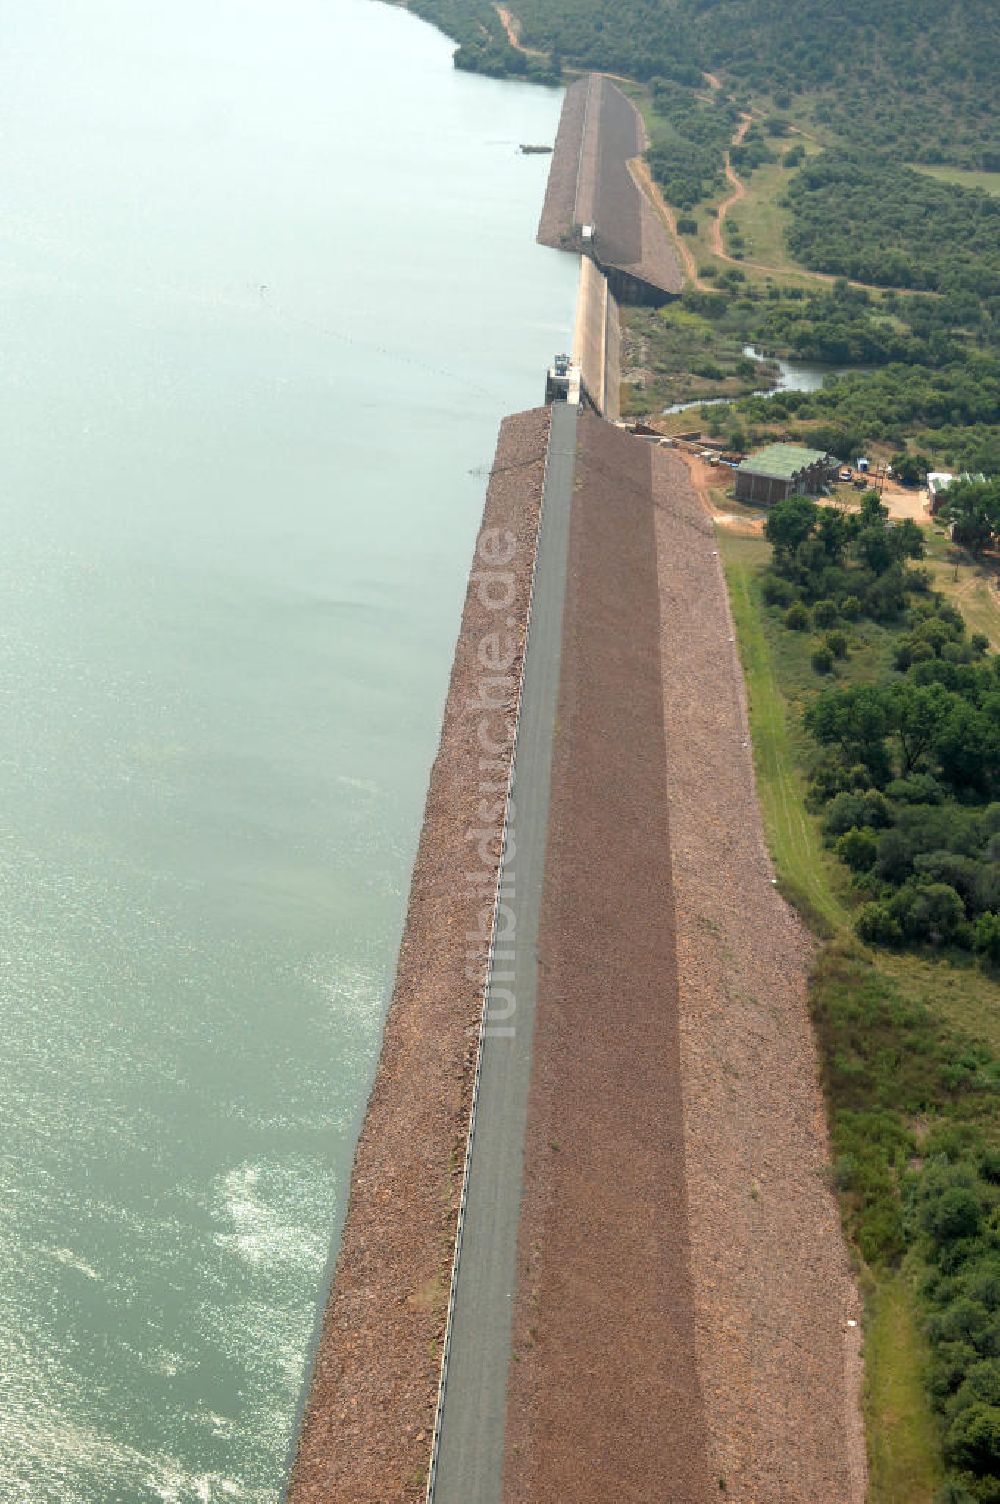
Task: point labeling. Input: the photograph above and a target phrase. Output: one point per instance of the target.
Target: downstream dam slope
(605, 1400)
(592, 202)
(777, 1313)
(684, 1300)
(366, 1431)
(676, 1319)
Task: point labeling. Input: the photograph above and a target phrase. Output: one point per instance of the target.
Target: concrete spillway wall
(597, 340)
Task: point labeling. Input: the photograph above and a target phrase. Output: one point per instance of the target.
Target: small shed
(938, 482)
(783, 470)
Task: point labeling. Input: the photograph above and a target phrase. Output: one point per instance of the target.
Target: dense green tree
(790, 522)
(911, 469)
(987, 937)
(973, 1441)
(856, 721)
(916, 714)
(974, 510)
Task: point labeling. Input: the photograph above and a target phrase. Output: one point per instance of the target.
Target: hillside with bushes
(908, 76)
(891, 710)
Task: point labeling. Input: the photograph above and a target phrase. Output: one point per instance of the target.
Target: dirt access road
(739, 191)
(512, 27)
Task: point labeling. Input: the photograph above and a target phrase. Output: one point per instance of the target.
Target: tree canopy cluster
(930, 370)
(866, 217)
(643, 39)
(905, 775)
(484, 46)
(955, 410)
(690, 137)
(889, 1065)
(847, 326)
(910, 77)
(954, 1212)
(908, 771)
(973, 508)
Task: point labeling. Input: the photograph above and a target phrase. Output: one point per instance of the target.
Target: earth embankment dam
(592, 202)
(679, 1308)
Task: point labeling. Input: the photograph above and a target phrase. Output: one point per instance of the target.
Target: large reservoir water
(267, 284)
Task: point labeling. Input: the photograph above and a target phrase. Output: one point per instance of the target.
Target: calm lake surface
(268, 285)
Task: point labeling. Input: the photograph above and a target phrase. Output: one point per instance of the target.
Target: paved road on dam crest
(470, 1454)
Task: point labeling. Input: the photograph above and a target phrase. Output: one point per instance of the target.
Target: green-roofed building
(783, 470)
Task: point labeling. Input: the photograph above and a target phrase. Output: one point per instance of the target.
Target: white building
(938, 482)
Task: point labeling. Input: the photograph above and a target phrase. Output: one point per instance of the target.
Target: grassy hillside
(882, 73)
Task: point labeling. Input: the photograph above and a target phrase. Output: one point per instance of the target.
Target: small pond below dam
(792, 376)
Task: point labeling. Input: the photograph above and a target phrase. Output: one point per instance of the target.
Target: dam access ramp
(594, 205)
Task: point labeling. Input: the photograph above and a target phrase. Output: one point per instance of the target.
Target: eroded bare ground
(367, 1428)
(779, 1365)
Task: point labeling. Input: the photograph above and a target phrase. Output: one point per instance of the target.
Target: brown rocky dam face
(590, 184)
(684, 1317)
(366, 1432)
(605, 1399)
(684, 1296)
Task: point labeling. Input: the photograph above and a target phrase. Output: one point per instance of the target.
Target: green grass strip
(803, 865)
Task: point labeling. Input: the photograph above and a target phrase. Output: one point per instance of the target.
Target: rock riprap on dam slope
(682, 1322)
(604, 1401)
(367, 1427)
(778, 1356)
(600, 132)
(685, 1321)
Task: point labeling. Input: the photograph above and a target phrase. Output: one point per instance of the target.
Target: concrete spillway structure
(597, 341)
(593, 203)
